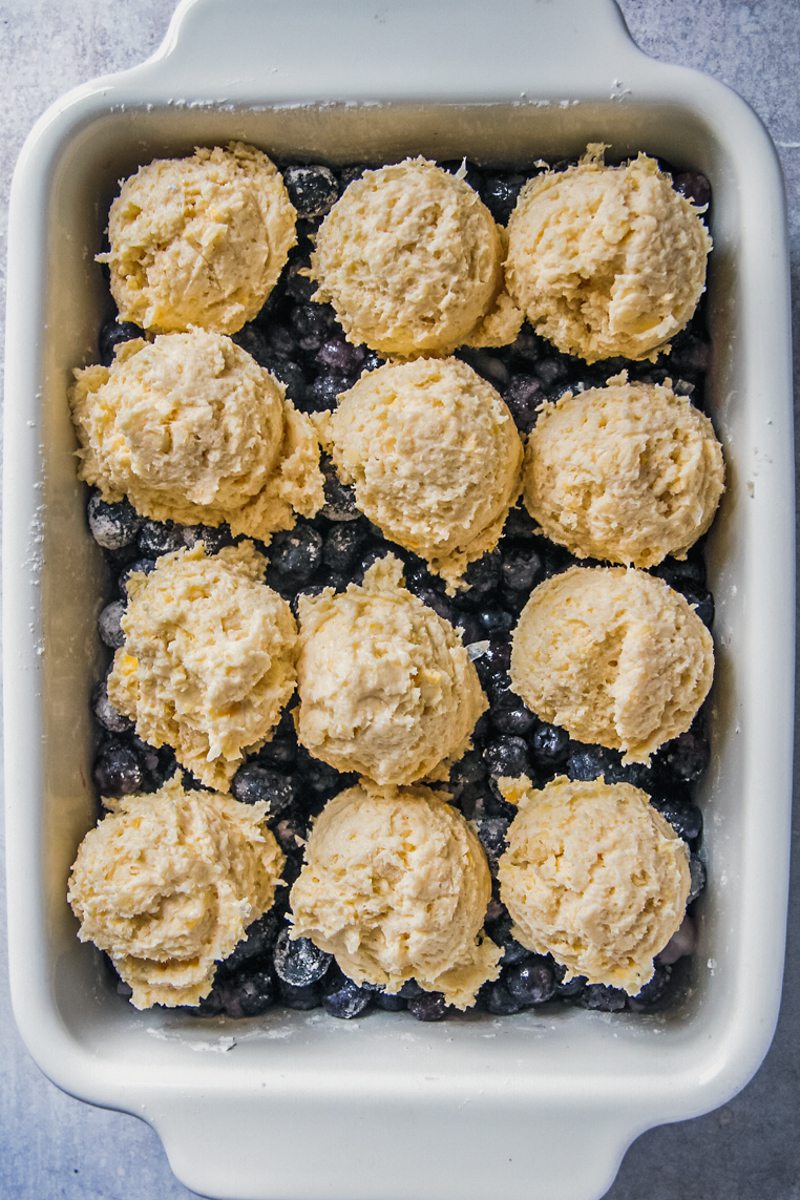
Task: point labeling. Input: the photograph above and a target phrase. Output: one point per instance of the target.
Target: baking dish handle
(251, 49)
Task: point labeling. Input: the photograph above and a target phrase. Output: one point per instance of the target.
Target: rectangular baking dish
(296, 1105)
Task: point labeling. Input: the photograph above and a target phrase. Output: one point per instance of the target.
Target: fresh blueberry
(258, 941)
(213, 537)
(253, 340)
(507, 756)
(571, 988)
(280, 343)
(298, 997)
(348, 175)
(313, 190)
(212, 1005)
(686, 756)
(654, 991)
(430, 1006)
(113, 334)
(311, 324)
(318, 776)
(550, 745)
(476, 801)
(289, 833)
(281, 749)
(112, 525)
(496, 621)
(157, 538)
(389, 1003)
(471, 631)
(588, 762)
(531, 981)
(523, 396)
(492, 834)
(411, 990)
(499, 930)
(519, 523)
(510, 715)
(437, 601)
(298, 284)
(489, 366)
(340, 504)
(528, 345)
(342, 545)
(253, 783)
(522, 568)
(299, 963)
(344, 999)
(117, 770)
(254, 992)
(293, 378)
(499, 1001)
(693, 186)
(481, 578)
(684, 817)
(550, 371)
(499, 194)
(141, 566)
(108, 716)
(603, 998)
(697, 872)
(636, 774)
(325, 390)
(108, 624)
(296, 554)
(468, 770)
(493, 664)
(339, 355)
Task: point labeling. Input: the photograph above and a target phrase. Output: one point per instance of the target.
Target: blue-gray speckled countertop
(53, 1146)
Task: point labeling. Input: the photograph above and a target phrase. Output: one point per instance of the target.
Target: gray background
(55, 1148)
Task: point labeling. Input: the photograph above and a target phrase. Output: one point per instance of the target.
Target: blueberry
(411, 990)
(108, 624)
(280, 343)
(435, 600)
(298, 284)
(313, 190)
(507, 756)
(339, 355)
(499, 930)
(637, 774)
(390, 1003)
(113, 334)
(571, 988)
(316, 775)
(654, 991)
(287, 832)
(493, 664)
(550, 371)
(510, 715)
(296, 554)
(489, 366)
(344, 999)
(112, 525)
(254, 993)
(701, 600)
(253, 783)
(522, 568)
(298, 997)
(258, 941)
(299, 963)
(292, 376)
(531, 981)
(468, 770)
(340, 504)
(342, 545)
(430, 1006)
(481, 578)
(693, 186)
(499, 194)
(686, 756)
(588, 762)
(603, 998)
(550, 745)
(281, 749)
(697, 872)
(684, 817)
(471, 631)
(141, 566)
(519, 523)
(213, 537)
(368, 558)
(496, 621)
(108, 716)
(325, 391)
(523, 397)
(117, 770)
(492, 834)
(499, 1001)
(157, 538)
(311, 324)
(476, 801)
(212, 1005)
(348, 175)
(528, 345)
(254, 342)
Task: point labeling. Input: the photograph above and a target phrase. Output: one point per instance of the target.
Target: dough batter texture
(595, 876)
(628, 473)
(191, 429)
(615, 656)
(434, 455)
(208, 661)
(200, 240)
(395, 885)
(606, 261)
(386, 686)
(411, 260)
(167, 883)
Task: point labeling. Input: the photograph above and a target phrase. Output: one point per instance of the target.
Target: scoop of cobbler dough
(411, 261)
(199, 241)
(167, 883)
(191, 429)
(628, 473)
(395, 885)
(606, 261)
(615, 656)
(386, 686)
(434, 455)
(208, 660)
(595, 876)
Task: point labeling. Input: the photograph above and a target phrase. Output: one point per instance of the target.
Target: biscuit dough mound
(411, 260)
(606, 261)
(595, 876)
(386, 686)
(191, 429)
(615, 656)
(434, 455)
(167, 883)
(628, 473)
(200, 240)
(395, 885)
(208, 661)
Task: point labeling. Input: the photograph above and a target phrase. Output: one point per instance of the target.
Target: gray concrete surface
(55, 1148)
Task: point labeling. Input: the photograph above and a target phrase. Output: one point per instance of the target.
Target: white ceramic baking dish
(298, 1105)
